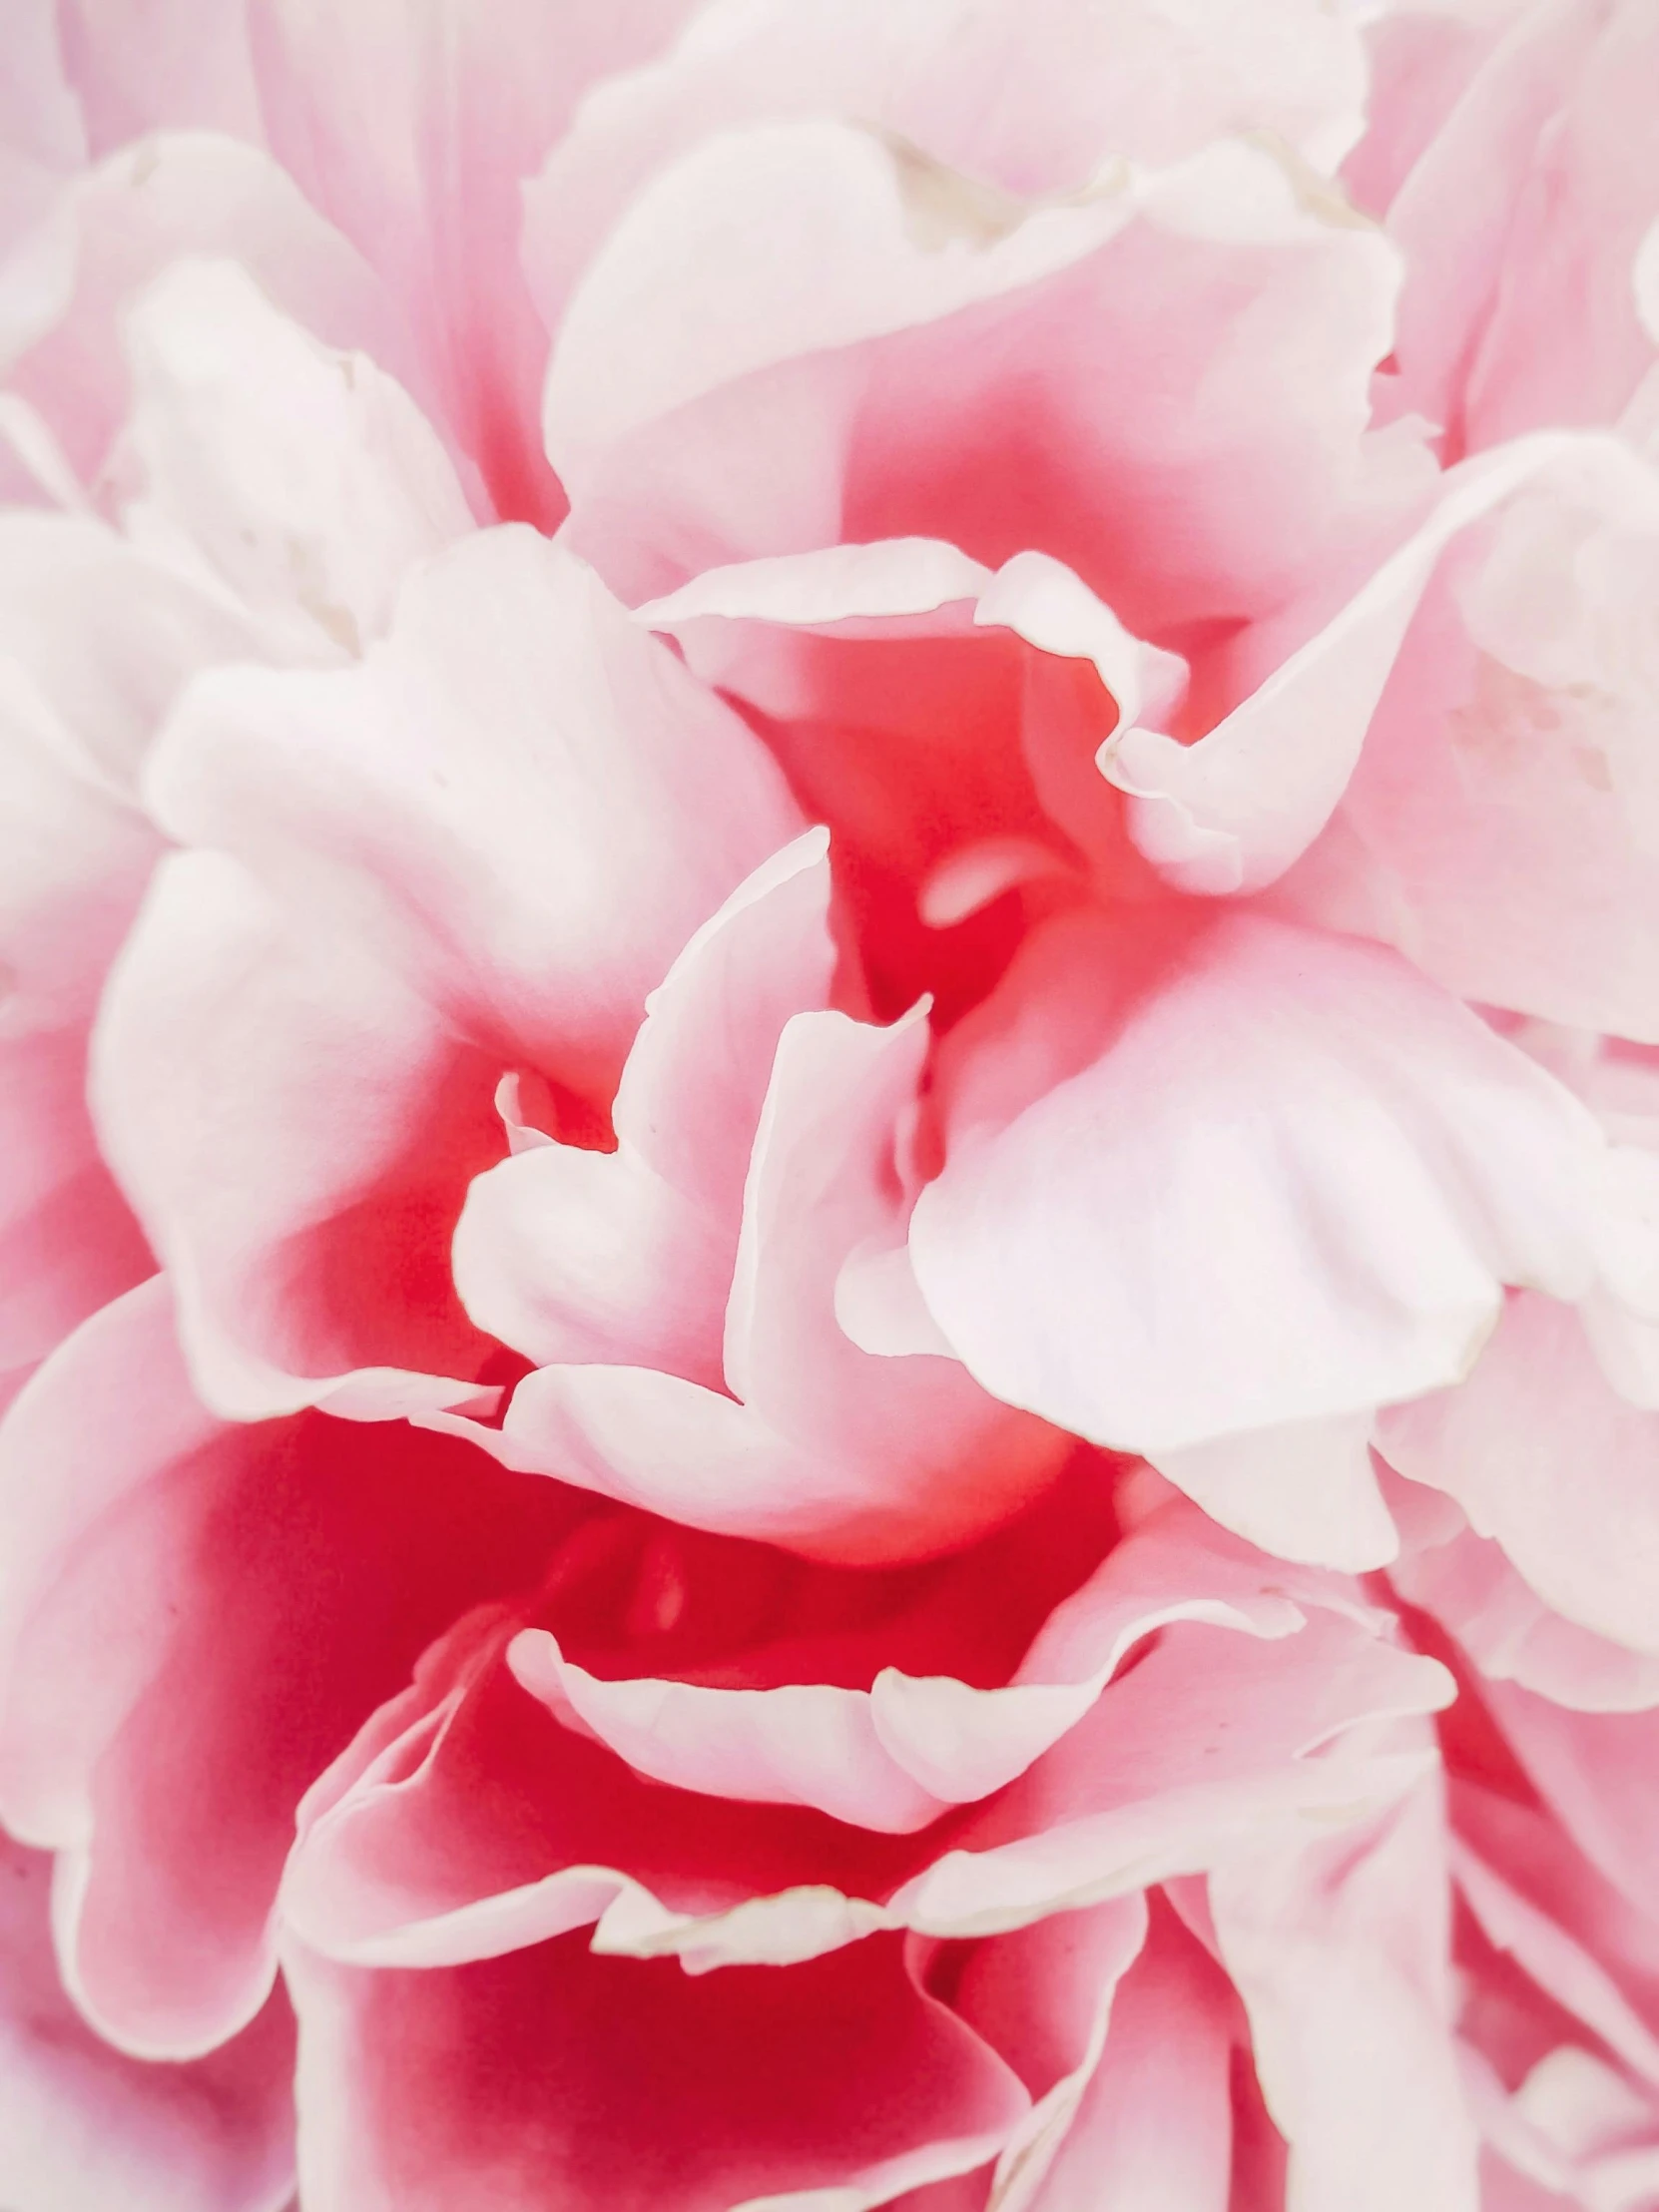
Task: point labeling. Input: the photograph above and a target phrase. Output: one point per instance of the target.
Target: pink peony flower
(829, 1089)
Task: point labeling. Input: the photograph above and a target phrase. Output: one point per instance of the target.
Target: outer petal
(84, 2127)
(1564, 343)
(42, 129)
(1042, 1997)
(1325, 1167)
(178, 1668)
(1453, 207)
(630, 2084)
(1543, 1456)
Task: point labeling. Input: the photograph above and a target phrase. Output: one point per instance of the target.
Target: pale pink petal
(42, 129)
(632, 2083)
(178, 1666)
(1150, 2124)
(1564, 342)
(571, 1255)
(1419, 62)
(963, 1742)
(122, 223)
(865, 274)
(83, 2127)
(93, 641)
(414, 128)
(805, 1744)
(1042, 1997)
(893, 1757)
(790, 413)
(1164, 1777)
(295, 1130)
(384, 932)
(1467, 1585)
(68, 1240)
(1020, 100)
(144, 65)
(34, 470)
(1536, 1901)
(302, 477)
(1501, 821)
(497, 801)
(1340, 1957)
(1452, 209)
(1234, 811)
(1307, 1491)
(1545, 1457)
(825, 1448)
(1323, 1165)
(1599, 1773)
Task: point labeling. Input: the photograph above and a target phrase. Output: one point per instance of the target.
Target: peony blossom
(830, 1106)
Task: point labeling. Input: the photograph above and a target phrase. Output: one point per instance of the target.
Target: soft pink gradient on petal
(196, 1618)
(615, 2080)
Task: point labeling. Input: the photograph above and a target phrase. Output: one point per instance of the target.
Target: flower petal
(1324, 1168)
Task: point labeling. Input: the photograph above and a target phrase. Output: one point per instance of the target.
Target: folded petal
(1233, 812)
(827, 1449)
(1596, 1772)
(571, 1255)
(1161, 1779)
(893, 1755)
(996, 92)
